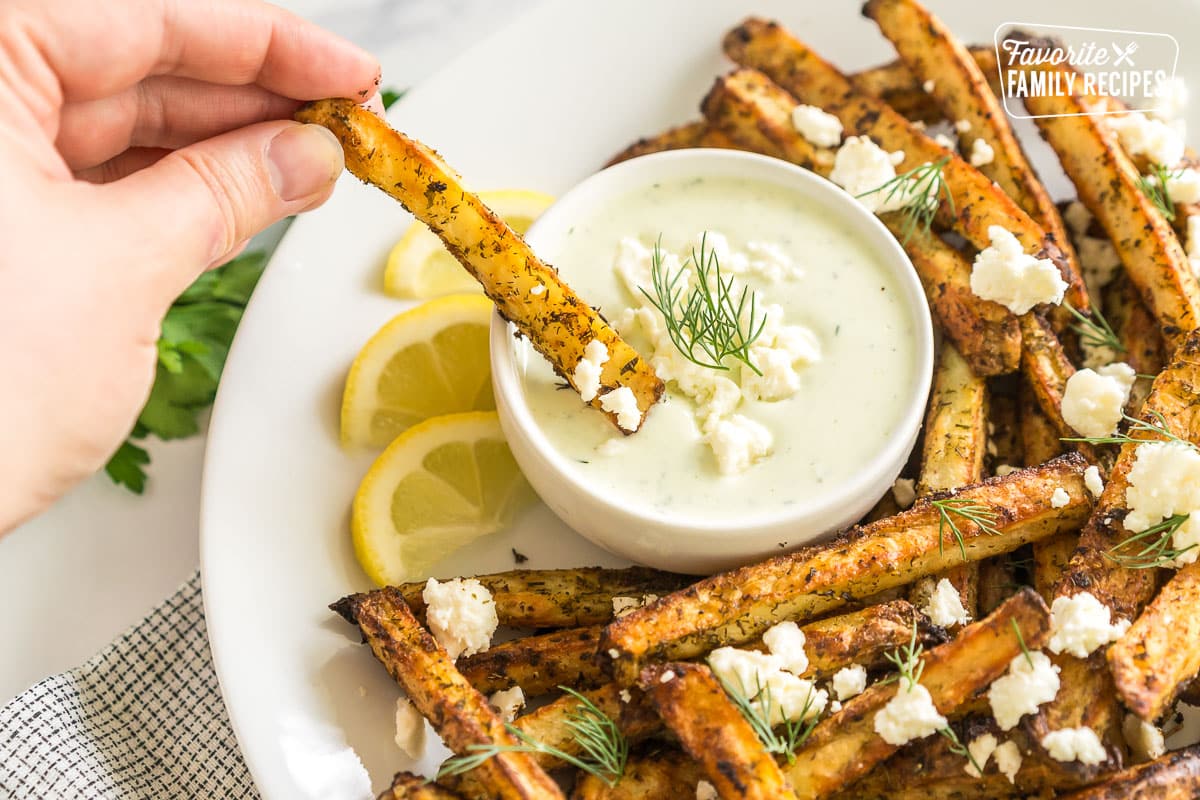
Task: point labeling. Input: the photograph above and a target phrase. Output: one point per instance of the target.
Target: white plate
(541, 104)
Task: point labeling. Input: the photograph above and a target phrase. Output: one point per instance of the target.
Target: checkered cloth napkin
(142, 719)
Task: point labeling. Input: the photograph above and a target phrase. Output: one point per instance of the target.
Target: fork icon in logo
(1125, 54)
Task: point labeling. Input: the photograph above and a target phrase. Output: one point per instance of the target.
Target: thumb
(196, 205)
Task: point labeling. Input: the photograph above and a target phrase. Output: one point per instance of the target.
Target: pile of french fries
(995, 405)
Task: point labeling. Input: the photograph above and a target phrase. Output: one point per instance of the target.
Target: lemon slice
(428, 361)
(439, 486)
(420, 267)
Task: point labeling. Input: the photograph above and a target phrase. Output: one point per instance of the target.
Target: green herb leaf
(908, 662)
(390, 96)
(125, 467)
(922, 187)
(712, 318)
(1156, 543)
(1155, 186)
(984, 517)
(759, 709)
(958, 748)
(1135, 425)
(1093, 329)
(1021, 642)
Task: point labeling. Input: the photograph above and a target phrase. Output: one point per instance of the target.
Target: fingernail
(303, 160)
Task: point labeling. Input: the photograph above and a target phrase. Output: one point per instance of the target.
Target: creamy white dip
(818, 282)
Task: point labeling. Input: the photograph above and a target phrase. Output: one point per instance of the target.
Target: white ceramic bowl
(649, 536)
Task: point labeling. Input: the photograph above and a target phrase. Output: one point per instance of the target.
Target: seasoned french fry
(557, 322)
(937, 59)
(1039, 443)
(1106, 182)
(1088, 696)
(406, 786)
(692, 703)
(682, 137)
(1137, 330)
(977, 202)
(1047, 369)
(738, 606)
(459, 713)
(845, 746)
(538, 664)
(862, 637)
(952, 456)
(554, 598)
(654, 776)
(895, 79)
(1160, 653)
(1175, 776)
(757, 114)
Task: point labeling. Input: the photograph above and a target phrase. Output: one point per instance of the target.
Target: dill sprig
(1021, 642)
(1136, 425)
(1155, 187)
(1157, 546)
(758, 710)
(712, 317)
(919, 188)
(605, 750)
(984, 517)
(1093, 329)
(908, 662)
(958, 748)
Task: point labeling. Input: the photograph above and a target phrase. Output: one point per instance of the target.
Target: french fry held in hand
(556, 321)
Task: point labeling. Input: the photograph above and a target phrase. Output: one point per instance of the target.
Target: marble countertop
(98, 561)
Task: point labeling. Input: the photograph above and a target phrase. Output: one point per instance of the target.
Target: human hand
(141, 142)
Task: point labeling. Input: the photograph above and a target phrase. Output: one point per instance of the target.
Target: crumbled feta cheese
(623, 605)
(909, 715)
(981, 749)
(1145, 740)
(1075, 744)
(706, 791)
(1081, 624)
(739, 442)
(1008, 760)
(928, 86)
(1095, 399)
(1156, 139)
(461, 615)
(1093, 481)
(1005, 469)
(945, 607)
(1005, 273)
(587, 371)
(1077, 217)
(623, 403)
(666, 677)
(861, 167)
(835, 706)
(625, 696)
(962, 125)
(1099, 260)
(1184, 186)
(946, 142)
(1165, 481)
(786, 642)
(508, 702)
(904, 492)
(981, 153)
(761, 676)
(538, 290)
(1170, 99)
(614, 653)
(1023, 688)
(769, 261)
(850, 681)
(410, 729)
(818, 127)
(1059, 498)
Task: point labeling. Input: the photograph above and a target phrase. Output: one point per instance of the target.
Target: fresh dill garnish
(958, 748)
(984, 517)
(919, 188)
(1155, 186)
(758, 711)
(1021, 642)
(908, 662)
(605, 750)
(1136, 425)
(712, 317)
(1093, 329)
(1157, 546)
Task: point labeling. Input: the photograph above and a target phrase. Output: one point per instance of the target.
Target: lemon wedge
(420, 267)
(429, 361)
(439, 486)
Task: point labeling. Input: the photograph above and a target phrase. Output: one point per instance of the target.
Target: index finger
(97, 49)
